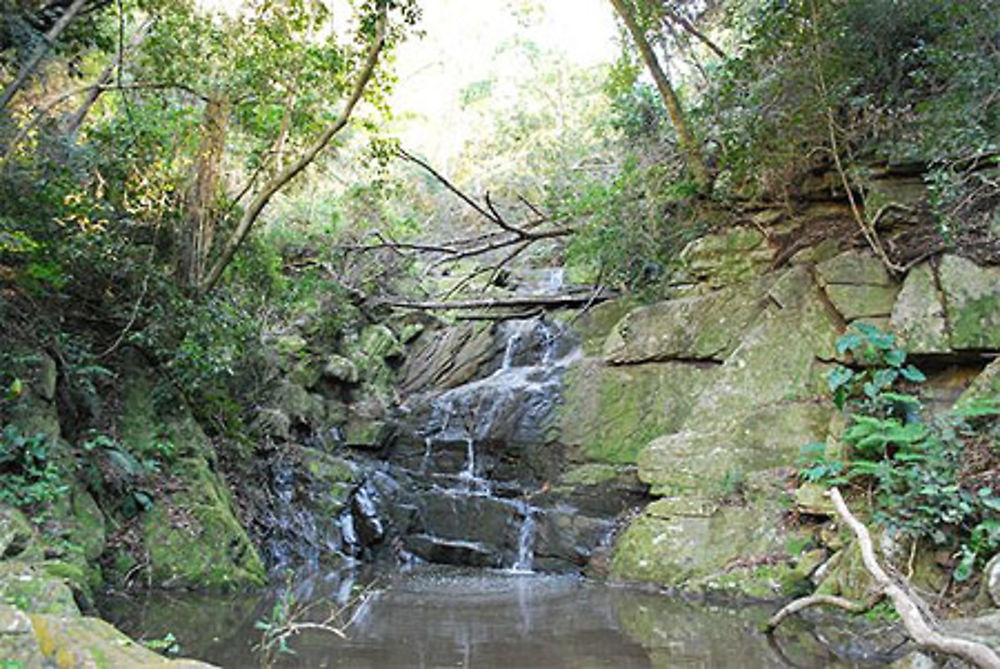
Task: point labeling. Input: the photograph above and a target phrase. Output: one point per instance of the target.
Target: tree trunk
(262, 198)
(36, 58)
(199, 211)
(692, 155)
(76, 120)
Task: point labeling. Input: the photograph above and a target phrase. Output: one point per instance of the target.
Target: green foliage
(30, 474)
(165, 645)
(916, 470)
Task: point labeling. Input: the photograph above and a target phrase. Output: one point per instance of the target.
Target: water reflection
(450, 618)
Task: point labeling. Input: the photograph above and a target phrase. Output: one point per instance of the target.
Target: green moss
(195, 541)
(611, 413)
(590, 474)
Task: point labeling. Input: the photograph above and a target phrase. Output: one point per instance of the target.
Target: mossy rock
(19, 648)
(143, 425)
(972, 299)
(699, 546)
(593, 326)
(735, 255)
(697, 459)
(41, 587)
(918, 316)
(91, 642)
(610, 413)
(17, 537)
(194, 540)
(703, 327)
(985, 388)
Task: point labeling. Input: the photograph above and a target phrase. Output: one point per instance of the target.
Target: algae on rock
(193, 538)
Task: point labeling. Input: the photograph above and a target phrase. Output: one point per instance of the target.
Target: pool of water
(453, 618)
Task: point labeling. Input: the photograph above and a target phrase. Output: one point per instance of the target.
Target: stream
(448, 617)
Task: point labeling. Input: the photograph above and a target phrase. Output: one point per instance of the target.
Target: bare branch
(545, 301)
(909, 611)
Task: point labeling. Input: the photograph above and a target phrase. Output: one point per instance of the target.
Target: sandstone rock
(366, 433)
(859, 268)
(40, 587)
(610, 413)
(443, 359)
(985, 388)
(694, 461)
(91, 642)
(862, 301)
(972, 300)
(706, 327)
(16, 535)
(18, 645)
(918, 315)
(735, 255)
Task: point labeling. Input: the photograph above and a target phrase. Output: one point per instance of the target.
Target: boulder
(972, 298)
(40, 587)
(700, 545)
(193, 538)
(339, 368)
(18, 646)
(858, 285)
(918, 316)
(985, 388)
(91, 642)
(854, 268)
(16, 534)
(704, 327)
(695, 461)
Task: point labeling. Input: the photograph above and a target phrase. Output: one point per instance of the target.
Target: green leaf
(896, 357)
(911, 373)
(848, 342)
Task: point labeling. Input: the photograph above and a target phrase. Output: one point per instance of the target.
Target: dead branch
(803, 603)
(527, 301)
(906, 604)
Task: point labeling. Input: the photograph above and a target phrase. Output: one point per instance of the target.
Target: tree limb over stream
(906, 604)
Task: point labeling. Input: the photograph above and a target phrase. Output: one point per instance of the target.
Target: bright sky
(462, 38)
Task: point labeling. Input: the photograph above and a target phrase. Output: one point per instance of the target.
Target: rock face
(713, 395)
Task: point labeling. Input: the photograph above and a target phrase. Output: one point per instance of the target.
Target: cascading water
(473, 432)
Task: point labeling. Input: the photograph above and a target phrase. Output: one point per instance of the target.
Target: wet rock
(444, 359)
(566, 539)
(600, 489)
(452, 551)
(918, 315)
(365, 433)
(972, 296)
(488, 521)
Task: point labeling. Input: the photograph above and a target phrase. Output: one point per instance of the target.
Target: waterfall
(526, 542)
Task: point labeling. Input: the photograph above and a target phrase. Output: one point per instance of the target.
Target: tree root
(905, 603)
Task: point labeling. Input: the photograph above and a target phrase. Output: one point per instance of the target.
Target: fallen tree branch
(803, 603)
(544, 301)
(906, 604)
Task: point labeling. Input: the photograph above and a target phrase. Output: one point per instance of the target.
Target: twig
(550, 301)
